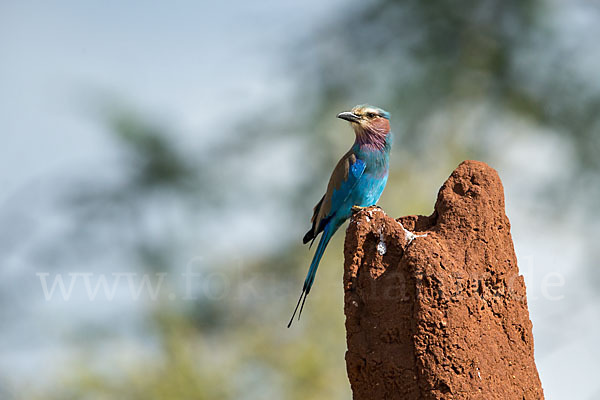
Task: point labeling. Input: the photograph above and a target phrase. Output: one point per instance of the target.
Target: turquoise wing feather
(344, 179)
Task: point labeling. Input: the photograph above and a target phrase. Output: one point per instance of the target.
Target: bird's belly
(366, 192)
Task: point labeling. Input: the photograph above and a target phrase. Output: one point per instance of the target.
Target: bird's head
(367, 121)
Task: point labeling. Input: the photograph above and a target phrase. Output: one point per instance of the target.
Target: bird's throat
(371, 137)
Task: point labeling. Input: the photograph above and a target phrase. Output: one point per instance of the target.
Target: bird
(357, 182)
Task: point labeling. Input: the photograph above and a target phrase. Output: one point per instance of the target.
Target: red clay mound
(446, 316)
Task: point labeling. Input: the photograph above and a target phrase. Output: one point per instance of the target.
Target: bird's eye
(371, 115)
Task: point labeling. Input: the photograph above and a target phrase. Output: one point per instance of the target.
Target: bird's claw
(358, 208)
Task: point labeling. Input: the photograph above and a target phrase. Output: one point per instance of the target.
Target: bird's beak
(349, 116)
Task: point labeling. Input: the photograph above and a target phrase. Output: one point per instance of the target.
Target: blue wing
(343, 180)
(341, 195)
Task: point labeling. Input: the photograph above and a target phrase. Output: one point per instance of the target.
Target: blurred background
(160, 161)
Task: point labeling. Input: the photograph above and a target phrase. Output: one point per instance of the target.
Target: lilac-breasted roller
(357, 181)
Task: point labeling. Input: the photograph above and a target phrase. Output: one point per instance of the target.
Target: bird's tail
(312, 271)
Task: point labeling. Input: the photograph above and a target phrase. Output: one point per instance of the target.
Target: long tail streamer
(312, 271)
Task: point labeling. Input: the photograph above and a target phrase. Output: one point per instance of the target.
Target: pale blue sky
(199, 63)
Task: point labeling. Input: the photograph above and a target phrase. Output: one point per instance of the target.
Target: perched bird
(356, 182)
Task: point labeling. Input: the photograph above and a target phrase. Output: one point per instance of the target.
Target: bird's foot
(356, 209)
(409, 236)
